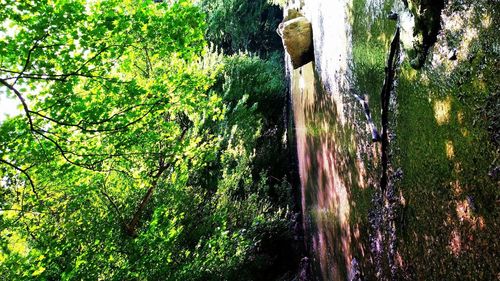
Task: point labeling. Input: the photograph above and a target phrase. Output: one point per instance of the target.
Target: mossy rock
(297, 40)
(292, 14)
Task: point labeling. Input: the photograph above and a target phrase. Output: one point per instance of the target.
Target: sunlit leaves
(123, 97)
(108, 84)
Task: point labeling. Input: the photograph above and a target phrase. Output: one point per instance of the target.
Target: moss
(445, 153)
(370, 46)
(442, 142)
(292, 14)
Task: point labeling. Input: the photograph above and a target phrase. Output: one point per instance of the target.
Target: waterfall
(333, 145)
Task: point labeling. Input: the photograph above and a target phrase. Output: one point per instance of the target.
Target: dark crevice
(382, 215)
(427, 15)
(387, 88)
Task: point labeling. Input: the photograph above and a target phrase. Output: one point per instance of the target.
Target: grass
(445, 154)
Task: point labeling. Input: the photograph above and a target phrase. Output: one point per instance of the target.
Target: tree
(129, 162)
(102, 105)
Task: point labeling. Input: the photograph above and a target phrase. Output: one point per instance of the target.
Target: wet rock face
(427, 15)
(355, 274)
(296, 34)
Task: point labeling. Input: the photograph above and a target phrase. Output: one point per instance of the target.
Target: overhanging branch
(24, 172)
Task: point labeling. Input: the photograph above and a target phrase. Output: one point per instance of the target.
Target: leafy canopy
(134, 156)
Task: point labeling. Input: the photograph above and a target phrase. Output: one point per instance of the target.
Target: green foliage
(280, 3)
(243, 210)
(242, 25)
(139, 154)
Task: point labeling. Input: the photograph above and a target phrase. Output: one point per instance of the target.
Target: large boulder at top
(297, 40)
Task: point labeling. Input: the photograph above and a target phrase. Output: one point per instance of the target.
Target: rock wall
(437, 218)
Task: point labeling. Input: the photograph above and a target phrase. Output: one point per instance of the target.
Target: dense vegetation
(142, 153)
(236, 25)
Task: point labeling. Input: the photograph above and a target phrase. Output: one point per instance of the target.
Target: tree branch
(28, 59)
(23, 101)
(87, 130)
(131, 227)
(24, 172)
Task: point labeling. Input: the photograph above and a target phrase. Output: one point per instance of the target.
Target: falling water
(332, 146)
(326, 166)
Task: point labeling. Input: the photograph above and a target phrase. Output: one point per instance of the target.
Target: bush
(243, 25)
